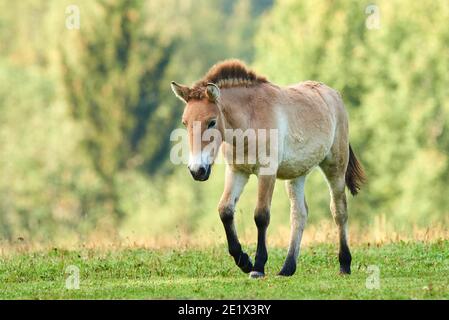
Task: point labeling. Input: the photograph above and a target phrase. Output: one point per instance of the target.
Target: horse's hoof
(285, 274)
(288, 270)
(256, 275)
(345, 271)
(248, 265)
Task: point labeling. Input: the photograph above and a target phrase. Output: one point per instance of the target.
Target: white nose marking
(197, 161)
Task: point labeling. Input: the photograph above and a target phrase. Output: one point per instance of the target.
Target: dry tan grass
(381, 233)
(324, 232)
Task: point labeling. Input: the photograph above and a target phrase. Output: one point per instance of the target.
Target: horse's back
(310, 115)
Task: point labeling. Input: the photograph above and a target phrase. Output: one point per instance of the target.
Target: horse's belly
(300, 159)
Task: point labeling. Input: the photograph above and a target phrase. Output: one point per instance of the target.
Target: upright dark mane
(226, 74)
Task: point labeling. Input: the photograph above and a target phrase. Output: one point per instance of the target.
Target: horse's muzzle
(202, 173)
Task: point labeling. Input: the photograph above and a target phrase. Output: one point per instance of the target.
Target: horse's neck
(235, 108)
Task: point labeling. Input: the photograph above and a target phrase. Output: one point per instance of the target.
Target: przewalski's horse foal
(311, 126)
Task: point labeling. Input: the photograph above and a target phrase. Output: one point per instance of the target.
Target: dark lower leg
(344, 257)
(340, 211)
(289, 267)
(262, 219)
(241, 259)
(298, 217)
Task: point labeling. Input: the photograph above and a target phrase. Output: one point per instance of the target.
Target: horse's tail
(355, 175)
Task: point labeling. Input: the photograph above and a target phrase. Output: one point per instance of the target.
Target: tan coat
(311, 129)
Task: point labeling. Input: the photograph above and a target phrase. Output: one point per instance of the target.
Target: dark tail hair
(355, 176)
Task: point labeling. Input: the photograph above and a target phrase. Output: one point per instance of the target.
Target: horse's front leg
(262, 219)
(234, 184)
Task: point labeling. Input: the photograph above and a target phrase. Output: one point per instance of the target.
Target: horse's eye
(184, 124)
(211, 124)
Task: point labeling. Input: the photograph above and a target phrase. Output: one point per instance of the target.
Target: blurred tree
(47, 189)
(22, 38)
(113, 88)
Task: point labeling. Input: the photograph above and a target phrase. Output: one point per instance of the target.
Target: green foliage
(113, 89)
(45, 188)
(406, 271)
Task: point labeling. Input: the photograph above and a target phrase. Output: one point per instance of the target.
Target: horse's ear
(182, 92)
(212, 92)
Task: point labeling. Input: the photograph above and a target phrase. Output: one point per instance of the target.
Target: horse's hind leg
(335, 174)
(298, 219)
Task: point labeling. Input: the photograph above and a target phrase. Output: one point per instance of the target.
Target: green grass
(407, 271)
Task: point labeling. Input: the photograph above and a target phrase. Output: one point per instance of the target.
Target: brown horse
(311, 128)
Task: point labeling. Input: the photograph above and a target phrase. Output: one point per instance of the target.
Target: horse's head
(202, 119)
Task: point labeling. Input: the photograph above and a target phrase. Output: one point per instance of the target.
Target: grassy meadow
(405, 270)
